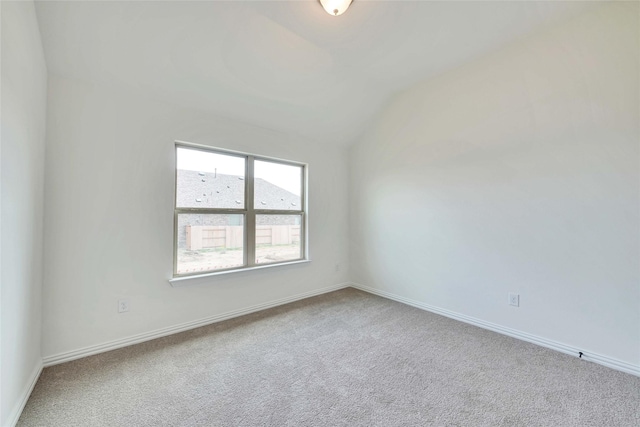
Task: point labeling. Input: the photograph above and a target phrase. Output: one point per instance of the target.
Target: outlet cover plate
(514, 300)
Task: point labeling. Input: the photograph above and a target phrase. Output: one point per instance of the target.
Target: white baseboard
(554, 345)
(17, 410)
(158, 333)
(147, 336)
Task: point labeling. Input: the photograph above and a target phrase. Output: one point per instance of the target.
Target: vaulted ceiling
(286, 65)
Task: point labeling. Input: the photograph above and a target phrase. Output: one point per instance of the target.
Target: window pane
(209, 180)
(277, 186)
(278, 238)
(208, 242)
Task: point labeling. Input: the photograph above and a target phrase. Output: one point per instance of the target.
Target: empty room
(320, 213)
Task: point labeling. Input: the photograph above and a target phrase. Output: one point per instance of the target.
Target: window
(235, 211)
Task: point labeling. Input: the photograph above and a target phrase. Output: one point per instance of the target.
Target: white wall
(24, 90)
(109, 217)
(517, 172)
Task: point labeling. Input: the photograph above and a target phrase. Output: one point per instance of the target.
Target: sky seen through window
(284, 176)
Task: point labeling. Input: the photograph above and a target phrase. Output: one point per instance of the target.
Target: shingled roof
(211, 190)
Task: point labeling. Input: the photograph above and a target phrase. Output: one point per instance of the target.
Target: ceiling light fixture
(335, 7)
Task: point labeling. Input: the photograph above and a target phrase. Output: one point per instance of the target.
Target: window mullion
(278, 234)
(251, 215)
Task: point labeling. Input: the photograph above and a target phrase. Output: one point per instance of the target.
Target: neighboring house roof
(211, 190)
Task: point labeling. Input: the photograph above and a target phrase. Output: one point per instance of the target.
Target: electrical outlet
(514, 300)
(338, 267)
(123, 305)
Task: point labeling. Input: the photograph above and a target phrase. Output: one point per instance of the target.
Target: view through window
(236, 211)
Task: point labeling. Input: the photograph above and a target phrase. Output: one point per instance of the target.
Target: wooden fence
(230, 237)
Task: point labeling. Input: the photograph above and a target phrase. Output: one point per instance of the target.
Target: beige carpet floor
(342, 359)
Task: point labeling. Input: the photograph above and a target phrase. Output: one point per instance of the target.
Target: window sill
(191, 280)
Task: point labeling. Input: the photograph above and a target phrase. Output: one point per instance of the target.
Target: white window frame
(248, 211)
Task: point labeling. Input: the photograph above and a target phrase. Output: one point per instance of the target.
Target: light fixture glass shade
(335, 7)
